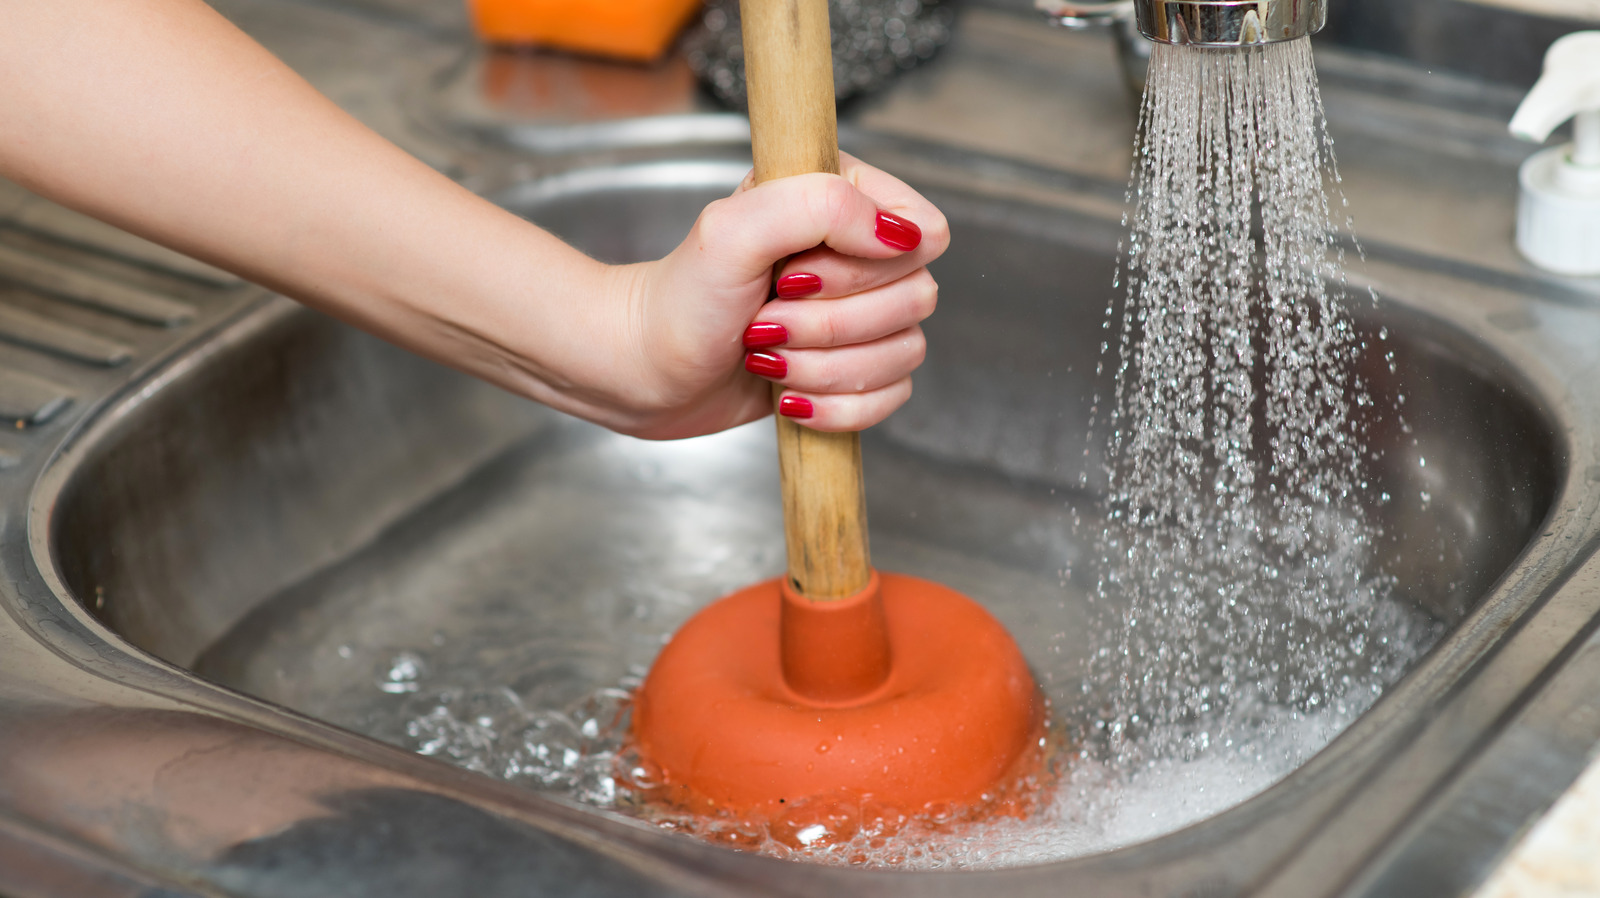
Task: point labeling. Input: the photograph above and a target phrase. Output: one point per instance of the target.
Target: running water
(1240, 622)
(1234, 548)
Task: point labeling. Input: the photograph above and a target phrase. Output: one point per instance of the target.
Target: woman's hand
(162, 117)
(842, 338)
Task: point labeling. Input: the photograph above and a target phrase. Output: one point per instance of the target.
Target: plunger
(835, 680)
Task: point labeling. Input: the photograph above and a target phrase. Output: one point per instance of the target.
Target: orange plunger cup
(835, 680)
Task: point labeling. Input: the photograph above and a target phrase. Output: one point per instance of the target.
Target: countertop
(1558, 857)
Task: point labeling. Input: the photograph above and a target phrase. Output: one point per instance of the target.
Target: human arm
(163, 118)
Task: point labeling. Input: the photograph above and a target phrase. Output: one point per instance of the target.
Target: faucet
(1199, 23)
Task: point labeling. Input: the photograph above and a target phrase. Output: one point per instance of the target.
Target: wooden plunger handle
(788, 57)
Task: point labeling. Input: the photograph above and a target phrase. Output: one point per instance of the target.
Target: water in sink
(502, 626)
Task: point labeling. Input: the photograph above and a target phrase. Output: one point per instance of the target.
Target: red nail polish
(766, 364)
(763, 334)
(794, 286)
(795, 407)
(897, 232)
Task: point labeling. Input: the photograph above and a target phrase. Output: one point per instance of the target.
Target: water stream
(1236, 554)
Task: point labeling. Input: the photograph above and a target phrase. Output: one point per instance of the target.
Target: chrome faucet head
(1229, 23)
(1202, 23)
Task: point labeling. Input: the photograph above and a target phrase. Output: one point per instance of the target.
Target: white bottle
(1558, 212)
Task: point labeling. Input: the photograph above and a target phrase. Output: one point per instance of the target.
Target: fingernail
(793, 286)
(766, 364)
(763, 334)
(795, 407)
(897, 232)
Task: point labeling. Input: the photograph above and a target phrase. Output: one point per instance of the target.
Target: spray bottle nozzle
(1558, 212)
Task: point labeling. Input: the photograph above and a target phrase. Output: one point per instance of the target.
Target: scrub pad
(638, 30)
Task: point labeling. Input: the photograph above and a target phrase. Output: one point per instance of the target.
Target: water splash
(579, 753)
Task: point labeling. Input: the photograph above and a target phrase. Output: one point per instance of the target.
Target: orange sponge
(637, 30)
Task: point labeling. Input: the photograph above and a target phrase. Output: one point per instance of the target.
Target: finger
(891, 193)
(747, 231)
(896, 196)
(859, 368)
(832, 273)
(837, 412)
(822, 273)
(861, 318)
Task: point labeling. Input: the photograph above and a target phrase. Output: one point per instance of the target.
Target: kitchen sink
(217, 561)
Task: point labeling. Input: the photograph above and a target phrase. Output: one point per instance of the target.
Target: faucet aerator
(1200, 23)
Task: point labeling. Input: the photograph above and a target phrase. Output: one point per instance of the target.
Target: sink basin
(233, 551)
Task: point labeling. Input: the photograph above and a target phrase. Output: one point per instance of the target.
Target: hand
(104, 107)
(842, 339)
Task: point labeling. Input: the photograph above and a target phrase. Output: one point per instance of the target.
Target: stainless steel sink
(213, 524)
(281, 494)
